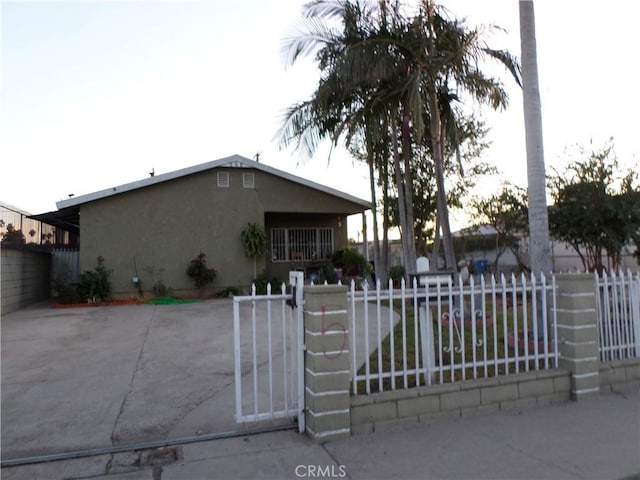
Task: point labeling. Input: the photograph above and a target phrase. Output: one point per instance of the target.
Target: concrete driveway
(97, 377)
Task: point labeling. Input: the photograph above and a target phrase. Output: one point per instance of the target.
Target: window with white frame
(313, 243)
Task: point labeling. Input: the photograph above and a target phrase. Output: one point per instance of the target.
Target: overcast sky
(97, 94)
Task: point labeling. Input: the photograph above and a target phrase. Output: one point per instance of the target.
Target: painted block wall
(25, 277)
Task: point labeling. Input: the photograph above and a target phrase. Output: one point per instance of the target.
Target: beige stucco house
(162, 222)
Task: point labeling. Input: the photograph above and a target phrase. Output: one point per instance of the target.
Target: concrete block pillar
(327, 396)
(578, 333)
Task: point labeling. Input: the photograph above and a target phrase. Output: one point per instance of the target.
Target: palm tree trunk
(374, 211)
(408, 197)
(438, 160)
(402, 213)
(539, 245)
(385, 223)
(435, 253)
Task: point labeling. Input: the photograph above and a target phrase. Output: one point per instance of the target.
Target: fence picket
(464, 320)
(415, 335)
(392, 337)
(484, 326)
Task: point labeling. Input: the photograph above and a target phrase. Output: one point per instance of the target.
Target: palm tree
(539, 245)
(442, 56)
(386, 67)
(340, 109)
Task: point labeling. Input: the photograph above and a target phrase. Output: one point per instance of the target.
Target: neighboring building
(563, 257)
(164, 221)
(477, 245)
(29, 230)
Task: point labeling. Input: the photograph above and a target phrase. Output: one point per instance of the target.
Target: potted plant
(396, 274)
(352, 262)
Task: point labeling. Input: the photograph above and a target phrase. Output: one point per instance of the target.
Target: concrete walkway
(595, 438)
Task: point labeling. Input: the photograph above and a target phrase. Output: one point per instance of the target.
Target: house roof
(67, 216)
(476, 230)
(234, 161)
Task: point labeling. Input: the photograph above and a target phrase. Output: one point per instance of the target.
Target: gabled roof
(234, 161)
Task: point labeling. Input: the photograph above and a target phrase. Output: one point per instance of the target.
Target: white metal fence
(445, 332)
(269, 371)
(618, 315)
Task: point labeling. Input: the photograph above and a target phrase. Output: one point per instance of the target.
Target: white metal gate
(268, 335)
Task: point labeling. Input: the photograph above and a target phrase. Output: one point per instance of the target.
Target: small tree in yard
(506, 211)
(198, 271)
(254, 242)
(596, 210)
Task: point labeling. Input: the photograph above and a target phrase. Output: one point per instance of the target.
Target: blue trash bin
(480, 266)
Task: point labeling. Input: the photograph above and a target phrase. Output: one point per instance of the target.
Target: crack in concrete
(213, 392)
(337, 462)
(131, 384)
(208, 395)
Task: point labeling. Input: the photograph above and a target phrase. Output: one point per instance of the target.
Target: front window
(313, 243)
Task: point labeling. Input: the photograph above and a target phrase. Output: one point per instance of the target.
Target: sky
(98, 94)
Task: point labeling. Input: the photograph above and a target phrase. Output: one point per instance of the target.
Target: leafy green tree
(506, 211)
(596, 208)
(255, 244)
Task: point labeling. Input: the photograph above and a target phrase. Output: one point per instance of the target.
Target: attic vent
(223, 179)
(248, 180)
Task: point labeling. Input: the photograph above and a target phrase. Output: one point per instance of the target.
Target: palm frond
(509, 61)
(310, 36)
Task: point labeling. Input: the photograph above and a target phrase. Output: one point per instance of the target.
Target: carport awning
(67, 219)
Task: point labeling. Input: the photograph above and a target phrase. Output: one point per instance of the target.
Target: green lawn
(449, 360)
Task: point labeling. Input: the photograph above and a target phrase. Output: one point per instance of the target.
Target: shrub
(65, 290)
(352, 262)
(94, 284)
(198, 271)
(327, 274)
(228, 292)
(159, 289)
(396, 273)
(261, 284)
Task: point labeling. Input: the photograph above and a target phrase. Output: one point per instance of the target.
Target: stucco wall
(164, 226)
(25, 277)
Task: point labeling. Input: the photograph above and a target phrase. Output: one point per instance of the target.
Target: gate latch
(291, 290)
